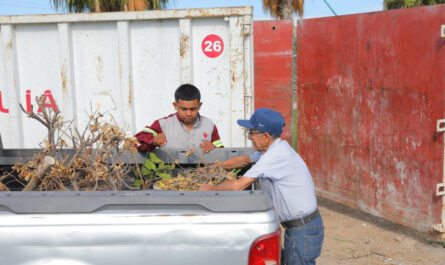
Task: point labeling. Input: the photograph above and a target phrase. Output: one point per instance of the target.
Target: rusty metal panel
(273, 69)
(127, 64)
(370, 89)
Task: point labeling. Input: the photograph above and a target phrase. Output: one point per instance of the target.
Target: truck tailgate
(138, 227)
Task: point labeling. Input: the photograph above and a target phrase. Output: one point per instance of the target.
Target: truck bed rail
(89, 202)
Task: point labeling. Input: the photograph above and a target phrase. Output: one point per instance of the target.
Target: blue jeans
(302, 244)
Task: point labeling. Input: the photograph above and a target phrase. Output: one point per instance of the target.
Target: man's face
(187, 110)
(259, 140)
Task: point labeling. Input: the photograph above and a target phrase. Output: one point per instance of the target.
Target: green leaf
(235, 171)
(171, 166)
(164, 175)
(343, 240)
(152, 175)
(145, 171)
(155, 158)
(138, 183)
(161, 165)
(149, 164)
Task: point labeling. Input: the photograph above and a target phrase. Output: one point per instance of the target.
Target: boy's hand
(207, 146)
(160, 140)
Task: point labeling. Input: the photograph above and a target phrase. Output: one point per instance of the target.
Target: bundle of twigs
(95, 165)
(190, 179)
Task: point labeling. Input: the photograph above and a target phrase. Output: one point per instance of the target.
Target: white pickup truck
(137, 227)
(130, 63)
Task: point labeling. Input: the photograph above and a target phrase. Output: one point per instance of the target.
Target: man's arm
(151, 137)
(236, 162)
(238, 184)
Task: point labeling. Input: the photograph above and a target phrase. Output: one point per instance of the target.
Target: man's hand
(207, 146)
(160, 140)
(206, 187)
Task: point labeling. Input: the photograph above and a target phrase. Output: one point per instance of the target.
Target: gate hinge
(440, 192)
(440, 125)
(438, 227)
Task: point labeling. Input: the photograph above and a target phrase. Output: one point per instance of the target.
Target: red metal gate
(273, 69)
(370, 90)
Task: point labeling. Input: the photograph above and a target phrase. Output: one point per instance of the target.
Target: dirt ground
(353, 237)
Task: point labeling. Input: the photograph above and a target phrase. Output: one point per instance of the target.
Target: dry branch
(92, 166)
(39, 172)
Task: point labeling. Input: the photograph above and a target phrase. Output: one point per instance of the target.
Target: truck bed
(133, 227)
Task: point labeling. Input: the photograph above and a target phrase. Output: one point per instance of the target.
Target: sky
(312, 8)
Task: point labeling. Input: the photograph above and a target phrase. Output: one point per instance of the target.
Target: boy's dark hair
(187, 92)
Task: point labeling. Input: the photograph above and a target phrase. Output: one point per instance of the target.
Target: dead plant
(96, 163)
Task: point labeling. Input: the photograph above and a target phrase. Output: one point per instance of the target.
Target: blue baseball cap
(265, 120)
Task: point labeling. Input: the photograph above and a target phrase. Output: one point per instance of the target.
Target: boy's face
(187, 110)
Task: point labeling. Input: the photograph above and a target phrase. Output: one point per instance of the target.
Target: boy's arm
(216, 140)
(147, 135)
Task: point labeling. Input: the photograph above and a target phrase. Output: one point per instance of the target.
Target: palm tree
(284, 9)
(109, 5)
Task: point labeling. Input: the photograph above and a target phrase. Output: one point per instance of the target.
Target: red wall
(273, 69)
(370, 89)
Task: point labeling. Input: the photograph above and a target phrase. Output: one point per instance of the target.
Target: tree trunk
(140, 5)
(130, 5)
(286, 9)
(97, 6)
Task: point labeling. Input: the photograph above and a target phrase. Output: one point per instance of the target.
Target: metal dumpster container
(127, 64)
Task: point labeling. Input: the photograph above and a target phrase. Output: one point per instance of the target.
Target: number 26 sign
(212, 46)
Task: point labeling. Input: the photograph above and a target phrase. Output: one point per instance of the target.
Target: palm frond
(277, 8)
(298, 6)
(78, 6)
(272, 6)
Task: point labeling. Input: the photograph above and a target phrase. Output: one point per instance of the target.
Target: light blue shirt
(284, 176)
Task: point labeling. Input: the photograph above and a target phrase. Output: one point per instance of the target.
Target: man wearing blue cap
(284, 176)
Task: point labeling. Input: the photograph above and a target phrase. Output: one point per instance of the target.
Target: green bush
(395, 4)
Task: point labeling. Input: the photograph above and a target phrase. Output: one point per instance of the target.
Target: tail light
(266, 250)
